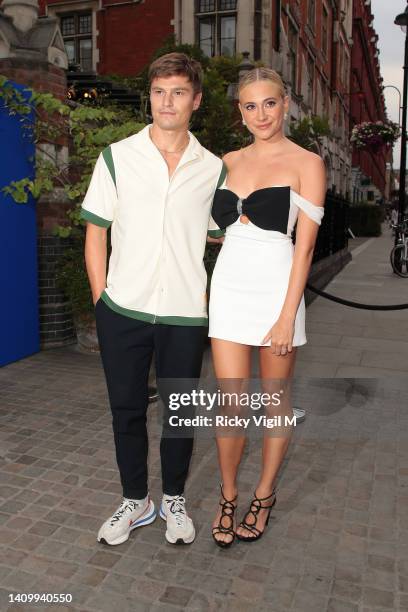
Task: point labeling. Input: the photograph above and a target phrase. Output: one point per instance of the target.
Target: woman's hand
(281, 336)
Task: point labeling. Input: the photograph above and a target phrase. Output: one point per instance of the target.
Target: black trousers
(127, 346)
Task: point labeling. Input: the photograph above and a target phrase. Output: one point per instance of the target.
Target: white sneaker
(300, 414)
(129, 515)
(180, 528)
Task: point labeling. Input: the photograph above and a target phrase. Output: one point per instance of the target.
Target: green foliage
(227, 67)
(88, 129)
(13, 98)
(308, 132)
(213, 122)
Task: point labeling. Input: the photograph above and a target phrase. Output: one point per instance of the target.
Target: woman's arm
(313, 188)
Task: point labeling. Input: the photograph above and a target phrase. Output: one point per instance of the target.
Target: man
(155, 189)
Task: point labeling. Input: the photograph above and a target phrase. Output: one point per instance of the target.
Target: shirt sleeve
(101, 197)
(213, 230)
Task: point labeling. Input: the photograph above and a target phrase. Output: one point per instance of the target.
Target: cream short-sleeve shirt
(158, 228)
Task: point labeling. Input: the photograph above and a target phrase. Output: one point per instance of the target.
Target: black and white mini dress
(251, 275)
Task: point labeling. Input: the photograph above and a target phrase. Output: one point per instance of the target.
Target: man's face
(173, 102)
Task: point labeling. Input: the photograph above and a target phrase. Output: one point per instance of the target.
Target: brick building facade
(367, 104)
(313, 53)
(325, 50)
(112, 36)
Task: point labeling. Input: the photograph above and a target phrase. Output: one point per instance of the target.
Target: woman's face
(263, 108)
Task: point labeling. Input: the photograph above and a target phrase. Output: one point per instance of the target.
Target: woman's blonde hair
(261, 74)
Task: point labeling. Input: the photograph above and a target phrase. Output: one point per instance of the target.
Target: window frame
(77, 36)
(215, 17)
(258, 14)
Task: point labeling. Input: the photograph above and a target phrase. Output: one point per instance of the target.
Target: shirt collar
(144, 143)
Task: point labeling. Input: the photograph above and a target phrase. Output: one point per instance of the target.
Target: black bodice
(267, 208)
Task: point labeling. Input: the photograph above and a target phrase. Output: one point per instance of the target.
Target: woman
(259, 278)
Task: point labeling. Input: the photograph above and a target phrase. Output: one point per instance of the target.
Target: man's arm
(95, 258)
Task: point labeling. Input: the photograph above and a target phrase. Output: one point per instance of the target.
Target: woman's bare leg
(273, 369)
(232, 362)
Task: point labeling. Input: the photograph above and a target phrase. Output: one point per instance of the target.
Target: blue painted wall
(19, 316)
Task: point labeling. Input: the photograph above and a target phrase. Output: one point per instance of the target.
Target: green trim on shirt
(222, 175)
(92, 218)
(107, 156)
(151, 318)
(216, 233)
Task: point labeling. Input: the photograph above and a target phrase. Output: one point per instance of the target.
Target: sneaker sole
(138, 523)
(171, 540)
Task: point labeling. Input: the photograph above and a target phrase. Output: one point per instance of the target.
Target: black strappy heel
(227, 510)
(255, 507)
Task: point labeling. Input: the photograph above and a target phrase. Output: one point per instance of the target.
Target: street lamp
(246, 65)
(399, 104)
(402, 20)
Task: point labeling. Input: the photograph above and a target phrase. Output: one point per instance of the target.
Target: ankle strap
(261, 499)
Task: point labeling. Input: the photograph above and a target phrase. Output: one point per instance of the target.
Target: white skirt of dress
(249, 285)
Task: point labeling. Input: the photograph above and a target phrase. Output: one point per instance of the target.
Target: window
(311, 13)
(257, 29)
(216, 26)
(325, 21)
(76, 30)
(292, 40)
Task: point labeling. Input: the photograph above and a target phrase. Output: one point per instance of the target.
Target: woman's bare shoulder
(304, 155)
(311, 163)
(233, 157)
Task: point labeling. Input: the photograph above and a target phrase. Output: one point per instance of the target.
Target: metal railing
(333, 235)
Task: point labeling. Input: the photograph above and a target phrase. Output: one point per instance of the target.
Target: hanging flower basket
(374, 135)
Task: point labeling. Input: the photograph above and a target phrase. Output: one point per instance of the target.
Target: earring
(243, 122)
(285, 116)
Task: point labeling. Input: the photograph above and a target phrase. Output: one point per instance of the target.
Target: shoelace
(124, 507)
(176, 507)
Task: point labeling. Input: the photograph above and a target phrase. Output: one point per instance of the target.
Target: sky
(391, 45)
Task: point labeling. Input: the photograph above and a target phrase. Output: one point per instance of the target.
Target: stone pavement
(349, 342)
(337, 540)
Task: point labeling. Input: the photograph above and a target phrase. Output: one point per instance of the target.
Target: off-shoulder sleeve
(313, 211)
